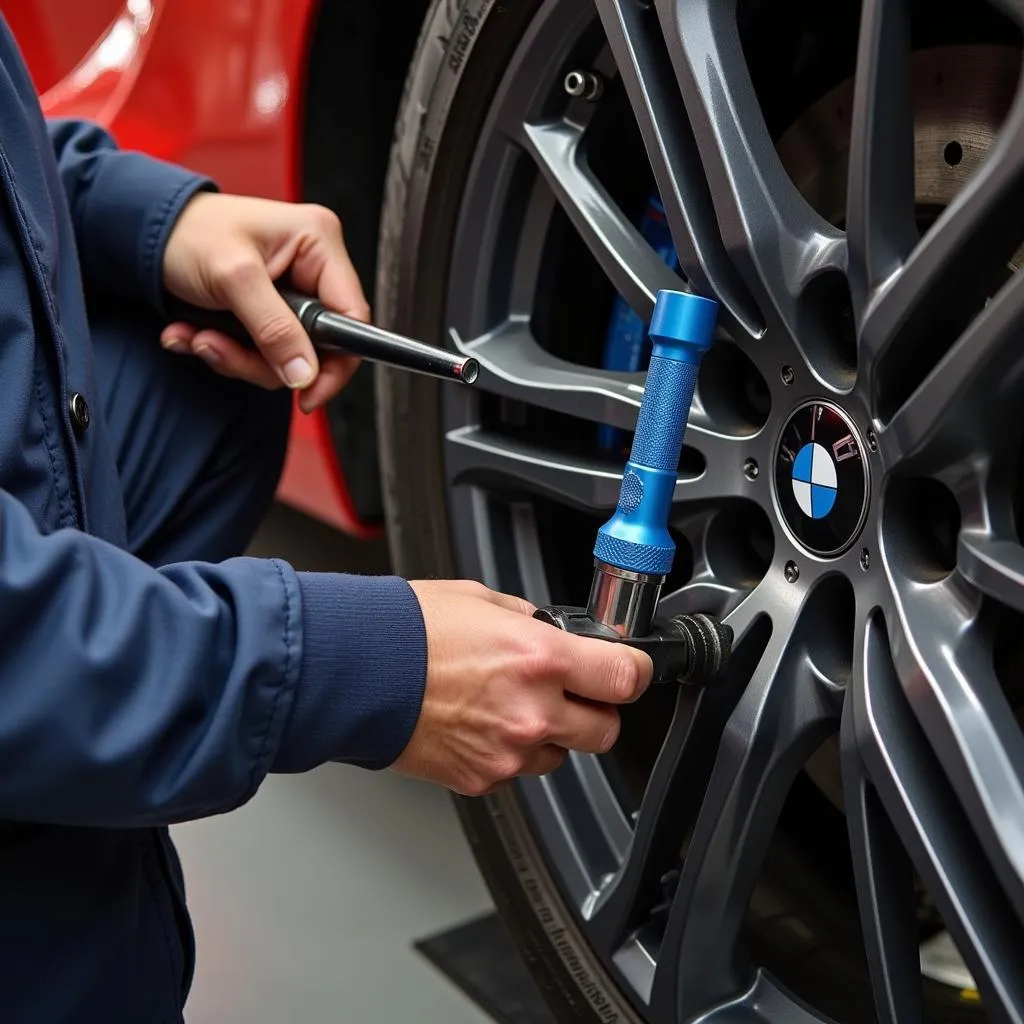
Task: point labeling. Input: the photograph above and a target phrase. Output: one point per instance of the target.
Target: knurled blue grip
(636, 538)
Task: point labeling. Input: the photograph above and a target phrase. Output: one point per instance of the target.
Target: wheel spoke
(636, 41)
(783, 716)
(940, 420)
(934, 831)
(994, 566)
(484, 458)
(777, 240)
(945, 666)
(513, 365)
(633, 267)
(884, 877)
(880, 209)
(671, 801)
(598, 791)
(948, 277)
(674, 786)
(704, 593)
(762, 1003)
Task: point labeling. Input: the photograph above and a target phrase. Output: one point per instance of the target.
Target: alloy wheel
(863, 252)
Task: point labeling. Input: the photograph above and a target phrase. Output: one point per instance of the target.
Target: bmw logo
(821, 478)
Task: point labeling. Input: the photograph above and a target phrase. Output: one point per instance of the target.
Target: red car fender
(214, 85)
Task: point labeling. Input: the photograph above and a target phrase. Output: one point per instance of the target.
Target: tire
(462, 52)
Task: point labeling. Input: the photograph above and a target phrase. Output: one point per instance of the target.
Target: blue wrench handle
(636, 538)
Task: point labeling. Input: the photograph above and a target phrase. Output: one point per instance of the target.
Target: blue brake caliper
(626, 345)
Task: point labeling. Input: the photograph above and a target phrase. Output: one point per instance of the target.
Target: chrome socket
(624, 601)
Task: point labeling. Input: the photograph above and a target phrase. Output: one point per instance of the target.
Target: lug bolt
(865, 559)
(792, 572)
(751, 469)
(788, 376)
(584, 85)
(872, 441)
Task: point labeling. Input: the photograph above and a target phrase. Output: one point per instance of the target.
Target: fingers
(588, 728)
(177, 337)
(285, 346)
(511, 603)
(325, 267)
(222, 354)
(326, 270)
(335, 372)
(598, 670)
(230, 359)
(544, 760)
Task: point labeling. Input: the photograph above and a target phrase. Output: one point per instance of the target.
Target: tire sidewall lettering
(557, 928)
(458, 49)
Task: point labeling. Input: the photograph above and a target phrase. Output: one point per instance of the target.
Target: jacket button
(79, 411)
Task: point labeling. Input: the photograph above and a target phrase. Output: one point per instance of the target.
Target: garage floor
(307, 900)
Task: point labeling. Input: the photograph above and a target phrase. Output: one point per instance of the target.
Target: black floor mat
(481, 959)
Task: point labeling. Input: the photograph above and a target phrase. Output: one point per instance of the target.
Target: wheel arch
(358, 59)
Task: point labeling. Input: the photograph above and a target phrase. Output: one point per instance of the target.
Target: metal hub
(845, 497)
(822, 479)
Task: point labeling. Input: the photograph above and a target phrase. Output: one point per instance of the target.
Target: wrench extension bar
(333, 332)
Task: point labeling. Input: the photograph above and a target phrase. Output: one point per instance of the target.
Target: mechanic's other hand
(225, 252)
(508, 695)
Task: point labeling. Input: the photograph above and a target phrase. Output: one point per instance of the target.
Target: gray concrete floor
(307, 900)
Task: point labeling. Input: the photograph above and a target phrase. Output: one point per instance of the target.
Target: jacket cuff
(133, 206)
(363, 673)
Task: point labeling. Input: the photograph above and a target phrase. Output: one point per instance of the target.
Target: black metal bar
(333, 332)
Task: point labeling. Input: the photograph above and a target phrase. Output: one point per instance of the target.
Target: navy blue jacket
(132, 698)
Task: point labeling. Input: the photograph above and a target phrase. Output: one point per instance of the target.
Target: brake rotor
(960, 96)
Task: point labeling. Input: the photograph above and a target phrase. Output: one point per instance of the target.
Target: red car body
(214, 85)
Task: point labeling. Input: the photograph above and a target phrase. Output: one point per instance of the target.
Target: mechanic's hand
(225, 252)
(508, 695)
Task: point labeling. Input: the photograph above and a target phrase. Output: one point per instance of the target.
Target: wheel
(834, 833)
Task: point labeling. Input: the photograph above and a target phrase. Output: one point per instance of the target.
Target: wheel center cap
(821, 478)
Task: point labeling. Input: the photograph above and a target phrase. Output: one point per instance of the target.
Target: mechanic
(148, 673)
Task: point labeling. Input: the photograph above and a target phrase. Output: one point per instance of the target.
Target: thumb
(252, 297)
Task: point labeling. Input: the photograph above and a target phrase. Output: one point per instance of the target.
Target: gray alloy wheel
(837, 831)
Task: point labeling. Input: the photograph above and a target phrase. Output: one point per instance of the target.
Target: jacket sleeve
(131, 696)
(123, 206)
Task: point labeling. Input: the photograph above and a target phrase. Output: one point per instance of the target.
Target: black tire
(464, 47)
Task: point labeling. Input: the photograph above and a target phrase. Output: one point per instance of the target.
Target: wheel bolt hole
(865, 559)
(787, 375)
(953, 153)
(751, 470)
(922, 519)
(792, 572)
